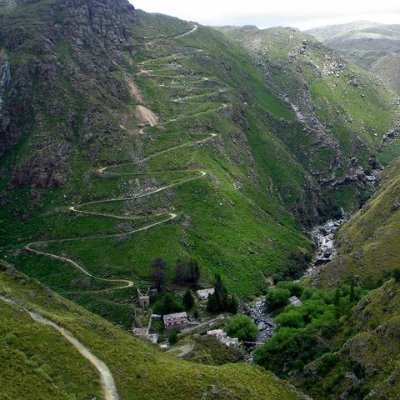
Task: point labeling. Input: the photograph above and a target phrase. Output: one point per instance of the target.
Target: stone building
(175, 321)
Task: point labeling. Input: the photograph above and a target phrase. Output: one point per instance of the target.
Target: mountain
(134, 142)
(367, 243)
(363, 361)
(135, 145)
(42, 333)
(373, 46)
(127, 137)
(337, 101)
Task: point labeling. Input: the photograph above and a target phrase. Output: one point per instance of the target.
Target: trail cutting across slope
(194, 29)
(106, 377)
(109, 171)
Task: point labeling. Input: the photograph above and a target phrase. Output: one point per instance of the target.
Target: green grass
(242, 219)
(140, 370)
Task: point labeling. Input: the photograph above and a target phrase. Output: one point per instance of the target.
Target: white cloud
(302, 14)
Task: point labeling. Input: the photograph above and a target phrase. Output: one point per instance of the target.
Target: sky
(302, 14)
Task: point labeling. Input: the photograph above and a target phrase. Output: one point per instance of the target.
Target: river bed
(324, 238)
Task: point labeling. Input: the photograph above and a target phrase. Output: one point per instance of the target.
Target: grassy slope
(373, 46)
(237, 220)
(352, 116)
(368, 243)
(139, 369)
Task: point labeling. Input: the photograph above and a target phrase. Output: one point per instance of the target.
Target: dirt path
(126, 283)
(170, 216)
(151, 120)
(106, 378)
(187, 33)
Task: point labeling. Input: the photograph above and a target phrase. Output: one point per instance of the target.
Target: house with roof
(176, 321)
(203, 294)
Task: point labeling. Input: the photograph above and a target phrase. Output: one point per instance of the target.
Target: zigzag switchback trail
(109, 170)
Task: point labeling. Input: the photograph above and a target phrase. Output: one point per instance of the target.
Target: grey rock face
(78, 41)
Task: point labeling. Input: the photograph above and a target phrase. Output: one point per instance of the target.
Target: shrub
(277, 298)
(167, 305)
(173, 338)
(10, 338)
(290, 319)
(326, 363)
(294, 288)
(396, 274)
(242, 327)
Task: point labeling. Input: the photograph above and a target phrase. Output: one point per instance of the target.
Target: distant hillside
(369, 241)
(34, 356)
(371, 45)
(339, 104)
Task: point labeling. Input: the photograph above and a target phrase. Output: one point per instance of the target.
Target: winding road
(187, 33)
(125, 283)
(119, 284)
(106, 378)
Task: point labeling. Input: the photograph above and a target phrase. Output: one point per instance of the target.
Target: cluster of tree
(304, 331)
(167, 304)
(278, 296)
(242, 327)
(220, 300)
(187, 273)
(159, 273)
(294, 268)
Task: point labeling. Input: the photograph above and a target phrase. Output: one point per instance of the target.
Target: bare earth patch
(134, 91)
(146, 116)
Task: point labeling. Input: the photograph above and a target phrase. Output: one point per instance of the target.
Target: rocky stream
(324, 238)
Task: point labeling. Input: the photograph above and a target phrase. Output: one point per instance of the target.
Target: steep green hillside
(366, 363)
(133, 143)
(373, 46)
(38, 362)
(369, 242)
(344, 110)
(127, 136)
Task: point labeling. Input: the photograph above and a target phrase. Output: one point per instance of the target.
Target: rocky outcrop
(5, 77)
(47, 169)
(71, 51)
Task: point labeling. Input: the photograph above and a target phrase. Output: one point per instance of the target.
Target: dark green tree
(337, 303)
(233, 304)
(220, 301)
(167, 305)
(242, 327)
(173, 338)
(188, 299)
(352, 292)
(396, 274)
(187, 273)
(159, 273)
(337, 298)
(277, 298)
